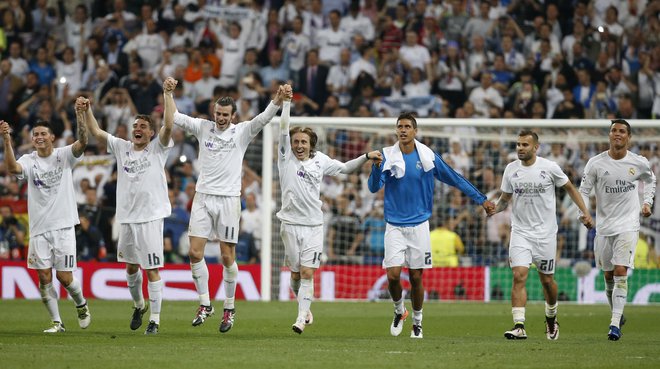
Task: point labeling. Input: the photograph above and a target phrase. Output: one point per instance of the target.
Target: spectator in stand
(12, 235)
(390, 35)
(19, 66)
(313, 80)
(413, 55)
(446, 245)
(89, 240)
(339, 81)
(417, 85)
(331, 40)
(174, 226)
(296, 44)
(202, 90)
(479, 26)
(356, 23)
(118, 108)
(276, 70)
(486, 96)
(585, 89)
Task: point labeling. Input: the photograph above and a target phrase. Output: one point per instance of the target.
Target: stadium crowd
(538, 59)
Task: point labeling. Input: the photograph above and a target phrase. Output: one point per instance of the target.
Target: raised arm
(79, 146)
(10, 160)
(168, 116)
(90, 120)
(284, 145)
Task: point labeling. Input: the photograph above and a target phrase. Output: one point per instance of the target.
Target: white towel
(397, 166)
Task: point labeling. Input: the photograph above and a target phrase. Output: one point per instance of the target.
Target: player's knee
(195, 255)
(519, 277)
(65, 278)
(227, 260)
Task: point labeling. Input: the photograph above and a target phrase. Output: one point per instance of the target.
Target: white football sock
(551, 310)
(49, 298)
(399, 307)
(619, 297)
(200, 274)
(155, 299)
(75, 291)
(609, 287)
(305, 297)
(518, 315)
(134, 282)
(417, 317)
(229, 276)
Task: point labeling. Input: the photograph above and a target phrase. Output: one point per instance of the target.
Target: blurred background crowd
(539, 59)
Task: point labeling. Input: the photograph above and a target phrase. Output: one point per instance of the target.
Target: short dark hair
(313, 138)
(148, 119)
(407, 115)
(624, 122)
(529, 132)
(43, 123)
(227, 101)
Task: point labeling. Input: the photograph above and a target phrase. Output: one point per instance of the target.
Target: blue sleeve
(376, 179)
(446, 174)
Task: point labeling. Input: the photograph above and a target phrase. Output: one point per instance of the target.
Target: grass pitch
(347, 334)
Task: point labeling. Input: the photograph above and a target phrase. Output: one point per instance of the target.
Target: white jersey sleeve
(189, 124)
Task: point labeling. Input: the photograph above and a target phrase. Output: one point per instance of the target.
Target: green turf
(350, 335)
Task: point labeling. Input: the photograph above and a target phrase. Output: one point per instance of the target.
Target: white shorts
(614, 250)
(523, 251)
(303, 245)
(142, 244)
(215, 217)
(408, 246)
(53, 249)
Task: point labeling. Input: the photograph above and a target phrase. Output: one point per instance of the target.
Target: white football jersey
(221, 152)
(300, 181)
(614, 183)
(534, 212)
(51, 196)
(141, 182)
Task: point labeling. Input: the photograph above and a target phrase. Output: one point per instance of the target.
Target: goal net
(477, 267)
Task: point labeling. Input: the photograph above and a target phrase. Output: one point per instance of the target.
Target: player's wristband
(366, 155)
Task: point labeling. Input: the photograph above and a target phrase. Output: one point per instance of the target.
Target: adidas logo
(606, 173)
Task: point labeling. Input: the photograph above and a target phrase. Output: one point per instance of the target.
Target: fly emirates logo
(620, 187)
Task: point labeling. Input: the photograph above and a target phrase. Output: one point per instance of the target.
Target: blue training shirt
(409, 199)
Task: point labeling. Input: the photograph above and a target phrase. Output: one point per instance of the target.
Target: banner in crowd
(108, 281)
(214, 10)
